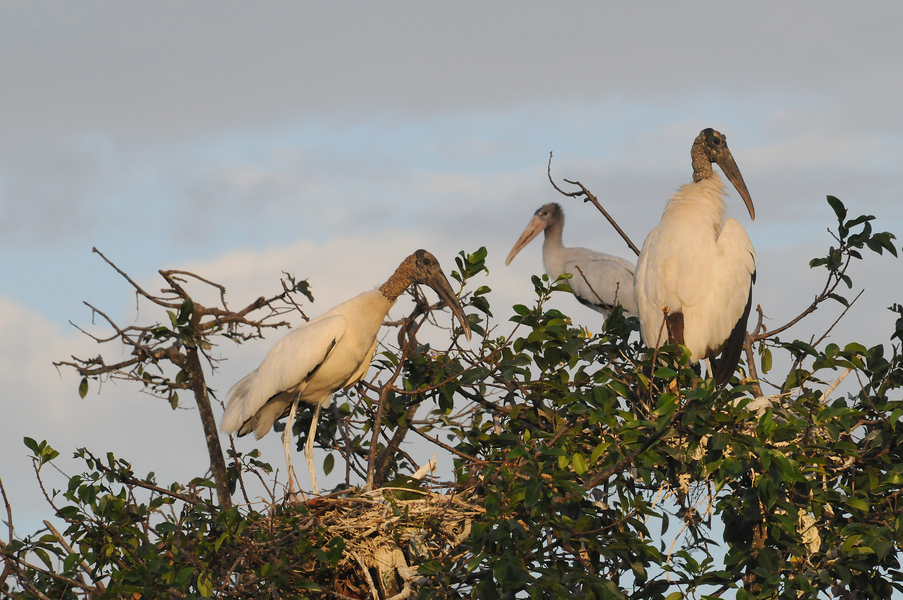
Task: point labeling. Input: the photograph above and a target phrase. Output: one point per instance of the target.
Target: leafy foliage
(598, 469)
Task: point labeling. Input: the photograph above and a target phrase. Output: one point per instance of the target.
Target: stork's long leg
(309, 450)
(287, 446)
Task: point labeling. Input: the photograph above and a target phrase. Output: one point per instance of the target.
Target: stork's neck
(702, 165)
(553, 233)
(701, 203)
(553, 250)
(396, 284)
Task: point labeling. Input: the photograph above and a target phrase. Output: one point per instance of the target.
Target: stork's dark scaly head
(423, 267)
(549, 212)
(710, 147)
(545, 215)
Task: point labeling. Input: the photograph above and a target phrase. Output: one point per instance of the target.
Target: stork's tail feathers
(233, 419)
(725, 366)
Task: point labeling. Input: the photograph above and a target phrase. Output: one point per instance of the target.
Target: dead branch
(9, 514)
(377, 420)
(601, 301)
(221, 288)
(138, 289)
(292, 300)
(751, 364)
(181, 343)
(589, 197)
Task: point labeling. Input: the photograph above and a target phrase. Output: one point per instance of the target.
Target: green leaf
(328, 463)
(850, 542)
(858, 504)
(474, 562)
(45, 558)
(579, 462)
(308, 585)
(839, 298)
(665, 373)
(205, 585)
(534, 493)
(184, 576)
(186, 310)
(839, 209)
(48, 455)
(597, 452)
(766, 361)
(33, 446)
(83, 388)
(219, 541)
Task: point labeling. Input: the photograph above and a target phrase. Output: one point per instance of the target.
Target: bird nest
(388, 534)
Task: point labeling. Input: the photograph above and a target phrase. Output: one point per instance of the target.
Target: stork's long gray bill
(535, 226)
(727, 164)
(440, 284)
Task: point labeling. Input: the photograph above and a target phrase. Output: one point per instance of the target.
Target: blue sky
(332, 139)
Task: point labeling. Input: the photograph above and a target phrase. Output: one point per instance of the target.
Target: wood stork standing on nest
(609, 276)
(326, 354)
(698, 268)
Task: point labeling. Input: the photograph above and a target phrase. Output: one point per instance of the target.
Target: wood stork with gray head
(695, 273)
(324, 355)
(610, 277)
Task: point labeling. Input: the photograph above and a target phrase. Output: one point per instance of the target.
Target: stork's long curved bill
(442, 287)
(534, 227)
(727, 164)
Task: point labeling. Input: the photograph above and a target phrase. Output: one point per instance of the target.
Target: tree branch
(589, 197)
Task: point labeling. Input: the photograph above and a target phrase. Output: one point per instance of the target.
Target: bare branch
(601, 301)
(85, 567)
(833, 386)
(9, 513)
(589, 197)
(292, 300)
(377, 420)
(751, 364)
(221, 288)
(138, 289)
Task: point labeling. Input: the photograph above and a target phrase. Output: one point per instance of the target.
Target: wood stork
(698, 268)
(326, 354)
(609, 276)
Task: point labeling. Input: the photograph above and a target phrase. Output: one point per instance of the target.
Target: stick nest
(388, 534)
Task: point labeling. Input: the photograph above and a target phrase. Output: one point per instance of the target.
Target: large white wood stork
(326, 354)
(609, 276)
(698, 268)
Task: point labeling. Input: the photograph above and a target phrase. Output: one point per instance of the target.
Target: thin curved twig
(590, 197)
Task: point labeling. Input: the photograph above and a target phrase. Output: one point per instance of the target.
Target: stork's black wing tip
(727, 363)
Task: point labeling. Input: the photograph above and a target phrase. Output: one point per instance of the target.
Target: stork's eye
(716, 140)
(426, 261)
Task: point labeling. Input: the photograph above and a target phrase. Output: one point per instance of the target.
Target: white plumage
(264, 395)
(610, 277)
(326, 354)
(699, 266)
